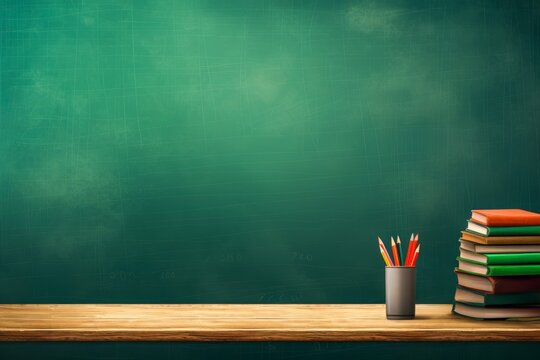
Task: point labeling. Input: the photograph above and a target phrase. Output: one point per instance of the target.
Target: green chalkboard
(246, 151)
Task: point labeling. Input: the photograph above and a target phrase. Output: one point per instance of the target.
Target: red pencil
(414, 246)
(415, 256)
(395, 252)
(409, 250)
(381, 245)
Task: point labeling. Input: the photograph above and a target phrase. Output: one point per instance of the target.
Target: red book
(505, 217)
(499, 284)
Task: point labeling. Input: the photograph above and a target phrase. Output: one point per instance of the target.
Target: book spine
(512, 221)
(512, 259)
(512, 299)
(516, 270)
(517, 230)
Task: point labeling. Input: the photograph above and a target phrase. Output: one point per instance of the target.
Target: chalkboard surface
(251, 152)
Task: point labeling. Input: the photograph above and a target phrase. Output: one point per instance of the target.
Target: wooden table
(215, 322)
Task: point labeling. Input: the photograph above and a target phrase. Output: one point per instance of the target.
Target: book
(479, 298)
(500, 259)
(497, 270)
(496, 249)
(505, 217)
(502, 230)
(496, 312)
(499, 285)
(500, 240)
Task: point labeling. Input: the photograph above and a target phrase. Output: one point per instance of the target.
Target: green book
(502, 230)
(479, 298)
(500, 259)
(474, 267)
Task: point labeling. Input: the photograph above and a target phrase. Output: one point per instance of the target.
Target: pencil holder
(400, 282)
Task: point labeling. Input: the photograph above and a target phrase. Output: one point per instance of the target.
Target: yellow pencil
(384, 257)
(383, 250)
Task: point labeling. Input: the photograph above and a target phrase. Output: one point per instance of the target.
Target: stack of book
(498, 269)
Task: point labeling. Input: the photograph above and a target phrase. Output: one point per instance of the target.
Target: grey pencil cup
(400, 284)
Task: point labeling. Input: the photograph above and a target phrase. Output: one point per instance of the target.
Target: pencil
(408, 256)
(395, 252)
(383, 249)
(384, 257)
(415, 256)
(400, 251)
(415, 245)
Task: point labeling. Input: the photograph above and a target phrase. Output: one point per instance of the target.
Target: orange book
(505, 217)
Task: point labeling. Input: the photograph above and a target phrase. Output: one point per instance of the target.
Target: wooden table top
(227, 322)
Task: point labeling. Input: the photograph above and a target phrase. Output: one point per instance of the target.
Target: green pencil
(400, 252)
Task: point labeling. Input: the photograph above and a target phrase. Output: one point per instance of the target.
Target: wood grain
(216, 322)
